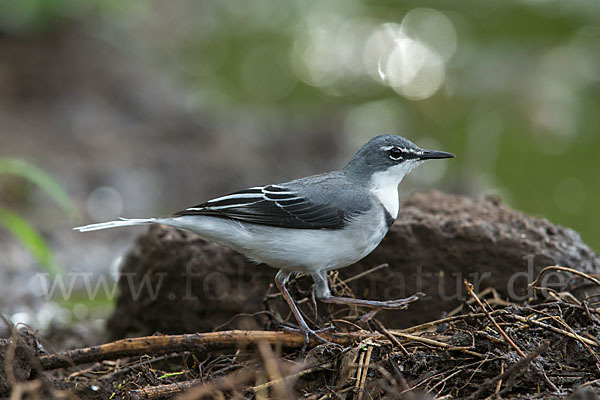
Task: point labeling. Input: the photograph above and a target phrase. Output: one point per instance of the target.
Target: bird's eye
(395, 153)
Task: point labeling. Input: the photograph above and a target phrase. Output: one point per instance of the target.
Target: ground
(541, 348)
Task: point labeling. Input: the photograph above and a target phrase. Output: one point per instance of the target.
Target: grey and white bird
(310, 225)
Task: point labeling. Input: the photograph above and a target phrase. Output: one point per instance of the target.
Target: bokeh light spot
(432, 28)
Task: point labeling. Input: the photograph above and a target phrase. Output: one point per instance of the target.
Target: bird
(310, 225)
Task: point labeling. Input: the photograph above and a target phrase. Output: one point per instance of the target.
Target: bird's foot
(307, 332)
(399, 304)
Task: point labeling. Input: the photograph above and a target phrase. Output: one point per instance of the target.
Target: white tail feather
(115, 224)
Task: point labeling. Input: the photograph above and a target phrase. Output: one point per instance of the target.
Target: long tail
(115, 224)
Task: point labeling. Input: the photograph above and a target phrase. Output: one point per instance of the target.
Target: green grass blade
(43, 180)
(31, 239)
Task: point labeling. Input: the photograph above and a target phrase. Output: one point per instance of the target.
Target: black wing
(273, 205)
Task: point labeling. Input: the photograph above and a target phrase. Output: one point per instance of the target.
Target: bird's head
(389, 158)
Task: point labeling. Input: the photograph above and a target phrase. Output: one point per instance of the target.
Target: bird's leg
(323, 294)
(280, 280)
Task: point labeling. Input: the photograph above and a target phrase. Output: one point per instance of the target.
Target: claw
(399, 304)
(368, 316)
(311, 332)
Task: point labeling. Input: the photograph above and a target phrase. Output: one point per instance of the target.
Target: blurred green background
(145, 107)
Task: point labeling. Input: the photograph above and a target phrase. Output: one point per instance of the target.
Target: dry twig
(281, 383)
(553, 329)
(493, 321)
(381, 328)
(296, 375)
(435, 343)
(564, 269)
(163, 391)
(225, 383)
(362, 371)
(361, 274)
(190, 342)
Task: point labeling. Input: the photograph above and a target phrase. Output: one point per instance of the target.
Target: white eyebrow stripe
(403, 149)
(237, 196)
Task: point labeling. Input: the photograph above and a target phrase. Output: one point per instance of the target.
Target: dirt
(552, 353)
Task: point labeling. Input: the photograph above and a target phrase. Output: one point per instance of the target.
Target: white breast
(384, 185)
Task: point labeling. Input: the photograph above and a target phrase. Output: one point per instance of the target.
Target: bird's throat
(384, 185)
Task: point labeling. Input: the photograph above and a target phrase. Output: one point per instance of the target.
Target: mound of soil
(177, 282)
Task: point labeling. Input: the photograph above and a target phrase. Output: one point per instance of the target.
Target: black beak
(432, 154)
